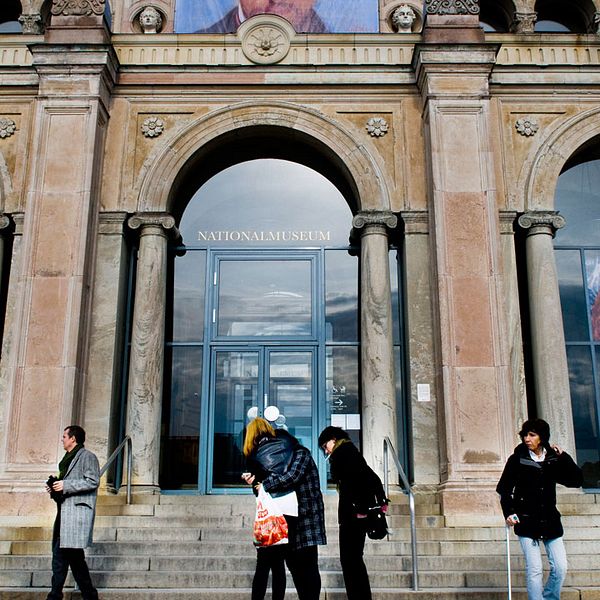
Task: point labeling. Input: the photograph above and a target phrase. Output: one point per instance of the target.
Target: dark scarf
(67, 459)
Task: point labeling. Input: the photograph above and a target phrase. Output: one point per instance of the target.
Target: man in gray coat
(74, 490)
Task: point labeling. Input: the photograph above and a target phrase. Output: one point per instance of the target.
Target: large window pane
(572, 295)
(343, 389)
(578, 200)
(236, 392)
(341, 296)
(291, 391)
(188, 301)
(592, 277)
(181, 419)
(584, 411)
(265, 298)
(267, 202)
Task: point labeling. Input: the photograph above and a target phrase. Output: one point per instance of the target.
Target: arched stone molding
(538, 178)
(159, 172)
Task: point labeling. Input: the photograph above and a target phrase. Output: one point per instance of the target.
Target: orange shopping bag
(270, 526)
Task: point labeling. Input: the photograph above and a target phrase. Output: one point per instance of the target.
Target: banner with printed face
(306, 16)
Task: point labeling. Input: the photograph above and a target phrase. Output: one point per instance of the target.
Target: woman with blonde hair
(266, 452)
(286, 469)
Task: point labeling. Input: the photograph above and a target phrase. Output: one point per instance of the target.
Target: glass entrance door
(277, 383)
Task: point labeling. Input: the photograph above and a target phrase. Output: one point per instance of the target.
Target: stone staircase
(198, 547)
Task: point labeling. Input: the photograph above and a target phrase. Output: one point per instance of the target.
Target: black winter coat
(272, 455)
(528, 489)
(359, 486)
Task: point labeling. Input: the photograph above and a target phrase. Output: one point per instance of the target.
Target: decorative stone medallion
(152, 127)
(77, 7)
(452, 7)
(527, 126)
(266, 39)
(377, 126)
(7, 127)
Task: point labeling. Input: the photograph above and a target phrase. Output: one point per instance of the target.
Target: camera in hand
(56, 496)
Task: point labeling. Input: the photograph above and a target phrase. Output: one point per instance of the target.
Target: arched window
(577, 251)
(10, 11)
(564, 16)
(264, 313)
(496, 15)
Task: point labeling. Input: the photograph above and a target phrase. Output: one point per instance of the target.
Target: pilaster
(473, 377)
(46, 377)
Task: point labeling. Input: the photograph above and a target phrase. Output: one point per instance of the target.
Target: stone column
(377, 357)
(473, 380)
(144, 397)
(551, 374)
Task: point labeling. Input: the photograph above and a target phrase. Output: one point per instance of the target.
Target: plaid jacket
(303, 477)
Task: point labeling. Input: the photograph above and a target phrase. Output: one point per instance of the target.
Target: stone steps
(200, 547)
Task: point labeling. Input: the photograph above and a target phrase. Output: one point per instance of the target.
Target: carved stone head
(150, 20)
(403, 18)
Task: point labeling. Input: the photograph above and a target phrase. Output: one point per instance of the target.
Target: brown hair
(256, 429)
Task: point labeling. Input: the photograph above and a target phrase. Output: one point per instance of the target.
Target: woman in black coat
(527, 491)
(359, 490)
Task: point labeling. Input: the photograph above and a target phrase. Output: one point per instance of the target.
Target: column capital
(524, 22)
(507, 220)
(366, 219)
(161, 220)
(547, 222)
(415, 221)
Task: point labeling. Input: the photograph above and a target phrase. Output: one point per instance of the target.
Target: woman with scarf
(527, 491)
(359, 490)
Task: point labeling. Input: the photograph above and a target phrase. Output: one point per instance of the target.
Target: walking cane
(508, 561)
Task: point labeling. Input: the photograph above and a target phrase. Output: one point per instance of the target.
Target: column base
(466, 504)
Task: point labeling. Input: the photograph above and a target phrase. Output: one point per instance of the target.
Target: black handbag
(377, 527)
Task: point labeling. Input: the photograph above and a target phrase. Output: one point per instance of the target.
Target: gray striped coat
(78, 509)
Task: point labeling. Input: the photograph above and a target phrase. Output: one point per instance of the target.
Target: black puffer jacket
(358, 485)
(528, 489)
(272, 454)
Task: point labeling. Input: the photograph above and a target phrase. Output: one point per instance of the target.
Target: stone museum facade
(394, 232)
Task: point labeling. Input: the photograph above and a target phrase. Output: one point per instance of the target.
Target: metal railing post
(389, 447)
(126, 442)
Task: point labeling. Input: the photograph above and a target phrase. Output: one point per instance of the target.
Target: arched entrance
(168, 181)
(263, 320)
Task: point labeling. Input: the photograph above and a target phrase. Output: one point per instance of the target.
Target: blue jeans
(557, 557)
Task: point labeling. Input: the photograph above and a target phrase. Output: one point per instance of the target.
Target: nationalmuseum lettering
(264, 236)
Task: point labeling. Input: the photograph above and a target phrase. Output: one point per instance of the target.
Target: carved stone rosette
(82, 8)
(266, 39)
(377, 126)
(152, 127)
(452, 7)
(527, 126)
(524, 22)
(7, 127)
(548, 222)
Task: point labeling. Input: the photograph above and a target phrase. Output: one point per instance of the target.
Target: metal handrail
(113, 456)
(387, 448)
